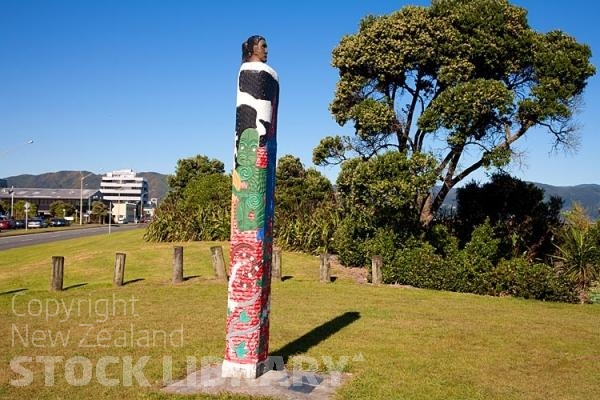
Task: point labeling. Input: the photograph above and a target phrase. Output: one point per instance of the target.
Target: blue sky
(105, 85)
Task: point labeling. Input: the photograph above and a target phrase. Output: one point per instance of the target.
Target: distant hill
(157, 183)
(587, 195)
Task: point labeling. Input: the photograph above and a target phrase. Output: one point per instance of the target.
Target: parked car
(6, 224)
(19, 223)
(36, 223)
(59, 222)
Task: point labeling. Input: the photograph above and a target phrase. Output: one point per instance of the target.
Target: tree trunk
(431, 205)
(427, 213)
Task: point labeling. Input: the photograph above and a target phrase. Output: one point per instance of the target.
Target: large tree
(99, 211)
(19, 210)
(189, 168)
(4, 207)
(61, 209)
(458, 78)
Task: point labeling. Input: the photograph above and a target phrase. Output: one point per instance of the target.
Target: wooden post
(276, 266)
(324, 269)
(58, 267)
(376, 273)
(119, 269)
(218, 262)
(177, 264)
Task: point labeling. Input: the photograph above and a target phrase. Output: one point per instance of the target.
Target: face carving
(259, 51)
(254, 49)
(247, 148)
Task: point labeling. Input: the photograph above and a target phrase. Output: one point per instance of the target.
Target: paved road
(10, 242)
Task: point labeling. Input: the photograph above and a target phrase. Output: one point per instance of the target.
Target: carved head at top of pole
(254, 49)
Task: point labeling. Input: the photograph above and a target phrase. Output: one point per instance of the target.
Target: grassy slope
(416, 344)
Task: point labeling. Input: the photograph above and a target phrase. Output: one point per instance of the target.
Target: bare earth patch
(356, 274)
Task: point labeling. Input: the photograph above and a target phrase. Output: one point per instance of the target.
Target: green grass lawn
(416, 344)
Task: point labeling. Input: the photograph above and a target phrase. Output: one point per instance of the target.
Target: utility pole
(12, 200)
(81, 196)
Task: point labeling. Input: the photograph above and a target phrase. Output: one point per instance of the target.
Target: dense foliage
(198, 205)
(4, 207)
(522, 220)
(99, 212)
(475, 268)
(19, 210)
(61, 209)
(306, 215)
(490, 246)
(378, 194)
(578, 250)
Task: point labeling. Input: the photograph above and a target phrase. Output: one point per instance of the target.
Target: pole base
(231, 369)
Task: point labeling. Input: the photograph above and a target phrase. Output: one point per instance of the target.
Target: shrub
(518, 277)
(347, 243)
(595, 293)
(578, 249)
(416, 264)
(384, 243)
(476, 260)
(311, 232)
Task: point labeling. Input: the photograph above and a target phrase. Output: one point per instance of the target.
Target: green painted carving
(249, 184)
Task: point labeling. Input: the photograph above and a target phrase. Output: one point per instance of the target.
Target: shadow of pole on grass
(13, 291)
(129, 282)
(75, 286)
(317, 335)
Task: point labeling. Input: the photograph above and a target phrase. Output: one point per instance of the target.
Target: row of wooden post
(58, 271)
(376, 265)
(218, 262)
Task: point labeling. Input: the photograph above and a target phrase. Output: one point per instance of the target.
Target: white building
(124, 187)
(149, 208)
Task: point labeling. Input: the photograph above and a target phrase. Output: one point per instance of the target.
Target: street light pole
(12, 201)
(81, 196)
